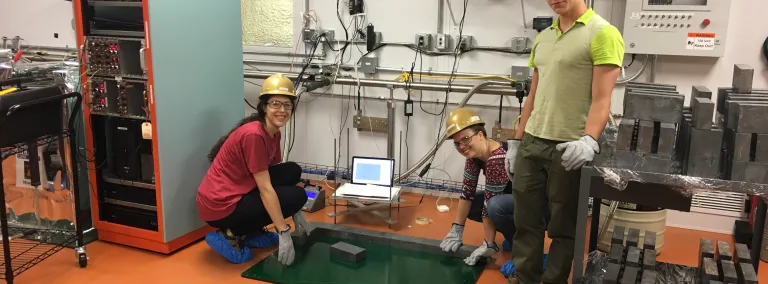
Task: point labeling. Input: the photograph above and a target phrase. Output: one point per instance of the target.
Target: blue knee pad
(220, 244)
(262, 240)
(508, 268)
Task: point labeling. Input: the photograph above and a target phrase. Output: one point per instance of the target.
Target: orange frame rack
(190, 55)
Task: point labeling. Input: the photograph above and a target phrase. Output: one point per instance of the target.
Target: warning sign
(701, 41)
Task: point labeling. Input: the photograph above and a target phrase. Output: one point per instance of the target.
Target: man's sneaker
(232, 248)
(261, 239)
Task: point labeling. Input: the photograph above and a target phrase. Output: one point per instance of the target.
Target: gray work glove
(486, 250)
(452, 241)
(285, 252)
(579, 152)
(301, 223)
(512, 146)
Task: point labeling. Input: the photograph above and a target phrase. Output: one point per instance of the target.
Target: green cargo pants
(538, 177)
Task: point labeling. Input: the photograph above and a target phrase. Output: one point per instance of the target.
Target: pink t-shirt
(248, 150)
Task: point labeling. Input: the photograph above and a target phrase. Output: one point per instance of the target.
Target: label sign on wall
(701, 41)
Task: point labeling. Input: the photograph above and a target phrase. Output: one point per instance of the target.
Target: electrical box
(519, 44)
(368, 64)
(422, 41)
(676, 27)
(465, 42)
(520, 73)
(442, 42)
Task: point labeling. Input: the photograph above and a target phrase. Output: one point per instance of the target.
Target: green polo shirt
(565, 62)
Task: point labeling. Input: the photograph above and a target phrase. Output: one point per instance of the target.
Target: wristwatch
(287, 229)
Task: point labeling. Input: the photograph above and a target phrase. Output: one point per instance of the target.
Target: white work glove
(285, 252)
(452, 241)
(301, 223)
(512, 146)
(486, 250)
(579, 152)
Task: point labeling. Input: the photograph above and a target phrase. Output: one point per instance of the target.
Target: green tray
(390, 258)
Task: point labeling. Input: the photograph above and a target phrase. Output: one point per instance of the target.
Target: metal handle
(143, 58)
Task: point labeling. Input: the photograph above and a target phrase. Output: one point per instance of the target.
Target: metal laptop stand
(377, 203)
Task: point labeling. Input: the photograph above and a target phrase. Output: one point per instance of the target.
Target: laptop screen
(376, 171)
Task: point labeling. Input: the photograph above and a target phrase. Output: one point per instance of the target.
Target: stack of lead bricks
(631, 262)
(742, 113)
(700, 141)
(647, 135)
(717, 264)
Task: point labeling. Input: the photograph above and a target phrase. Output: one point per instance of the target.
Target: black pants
(251, 216)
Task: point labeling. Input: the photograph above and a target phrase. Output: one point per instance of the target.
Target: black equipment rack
(29, 119)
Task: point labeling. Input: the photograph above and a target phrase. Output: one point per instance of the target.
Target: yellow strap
(8, 91)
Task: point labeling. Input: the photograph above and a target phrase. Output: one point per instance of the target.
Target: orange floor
(111, 263)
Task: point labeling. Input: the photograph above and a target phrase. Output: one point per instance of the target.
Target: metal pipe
(383, 69)
(475, 89)
(49, 48)
(652, 77)
(391, 124)
(507, 91)
(440, 16)
(287, 54)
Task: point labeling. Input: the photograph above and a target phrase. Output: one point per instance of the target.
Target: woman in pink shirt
(248, 186)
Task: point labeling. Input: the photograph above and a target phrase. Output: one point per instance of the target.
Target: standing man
(576, 63)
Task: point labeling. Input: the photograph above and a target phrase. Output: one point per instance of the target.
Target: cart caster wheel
(82, 259)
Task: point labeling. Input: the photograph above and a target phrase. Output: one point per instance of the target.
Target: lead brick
(701, 92)
(761, 148)
(661, 108)
(617, 253)
(729, 274)
(684, 141)
(633, 237)
(724, 251)
(742, 78)
(655, 163)
(626, 130)
(742, 254)
(704, 157)
(738, 145)
(754, 172)
(649, 240)
(706, 250)
(649, 259)
(722, 96)
(618, 235)
(652, 85)
(667, 140)
(612, 273)
(750, 118)
(633, 256)
(347, 252)
(703, 110)
(630, 275)
(709, 270)
(649, 277)
(746, 273)
(645, 137)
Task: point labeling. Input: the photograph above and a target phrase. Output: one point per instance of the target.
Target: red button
(705, 22)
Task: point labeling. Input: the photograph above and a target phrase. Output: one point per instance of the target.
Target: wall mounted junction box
(369, 123)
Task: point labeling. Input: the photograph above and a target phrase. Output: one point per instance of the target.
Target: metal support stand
(391, 123)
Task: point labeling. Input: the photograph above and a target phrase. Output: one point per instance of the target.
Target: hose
(439, 143)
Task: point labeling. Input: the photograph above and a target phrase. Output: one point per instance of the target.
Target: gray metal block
(738, 145)
(750, 118)
(346, 252)
(684, 141)
(633, 237)
(667, 135)
(709, 271)
(722, 95)
(645, 137)
(761, 148)
(701, 92)
(649, 259)
(706, 250)
(612, 273)
(652, 86)
(661, 108)
(746, 273)
(625, 134)
(703, 110)
(742, 254)
(649, 240)
(618, 235)
(754, 172)
(729, 273)
(703, 159)
(633, 256)
(733, 112)
(630, 275)
(656, 163)
(617, 254)
(742, 78)
(649, 277)
(724, 251)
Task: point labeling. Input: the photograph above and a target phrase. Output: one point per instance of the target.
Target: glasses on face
(464, 140)
(278, 104)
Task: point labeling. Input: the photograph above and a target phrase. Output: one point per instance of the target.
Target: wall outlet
(369, 123)
(519, 44)
(442, 42)
(464, 42)
(422, 41)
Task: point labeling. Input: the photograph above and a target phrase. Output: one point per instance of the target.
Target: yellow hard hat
(277, 84)
(459, 119)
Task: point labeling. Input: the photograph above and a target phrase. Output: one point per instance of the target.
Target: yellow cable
(405, 76)
(8, 91)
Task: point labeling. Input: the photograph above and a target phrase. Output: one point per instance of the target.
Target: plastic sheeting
(605, 164)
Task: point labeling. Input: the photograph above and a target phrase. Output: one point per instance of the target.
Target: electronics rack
(144, 183)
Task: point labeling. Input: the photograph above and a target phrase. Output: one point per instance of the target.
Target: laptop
(371, 178)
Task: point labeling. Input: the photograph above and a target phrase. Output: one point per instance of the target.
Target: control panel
(676, 27)
(113, 56)
(315, 199)
(124, 97)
